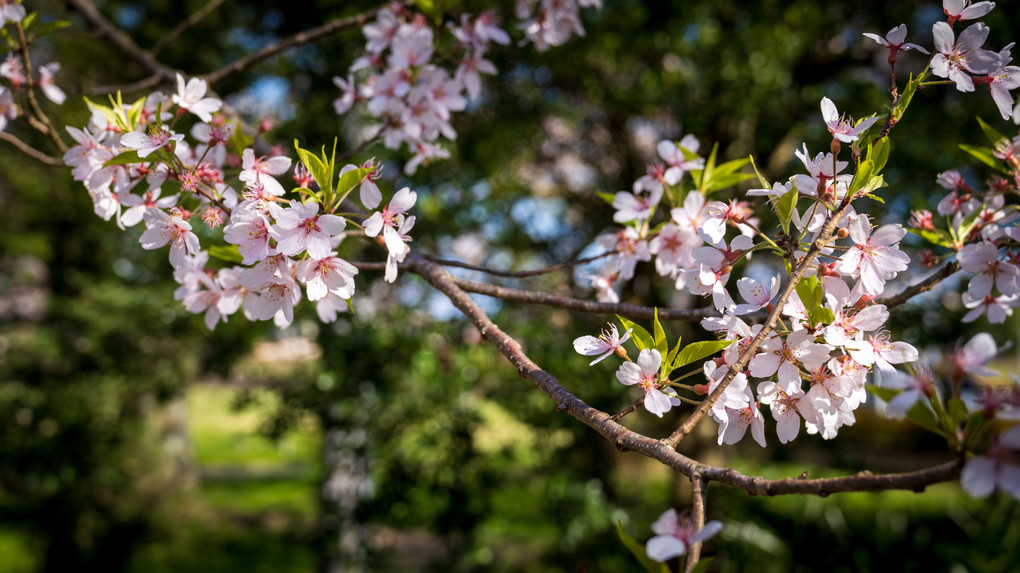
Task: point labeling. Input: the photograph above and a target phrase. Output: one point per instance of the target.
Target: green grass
(223, 436)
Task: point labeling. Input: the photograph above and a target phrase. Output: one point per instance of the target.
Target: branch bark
(628, 440)
(698, 516)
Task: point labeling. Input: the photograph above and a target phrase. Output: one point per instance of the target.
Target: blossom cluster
(402, 82)
(812, 370)
(138, 169)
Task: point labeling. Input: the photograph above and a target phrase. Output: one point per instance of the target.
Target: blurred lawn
(255, 503)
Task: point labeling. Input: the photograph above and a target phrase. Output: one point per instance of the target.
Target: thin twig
(698, 515)
(923, 286)
(29, 150)
(42, 121)
(184, 25)
(289, 42)
(516, 274)
(122, 42)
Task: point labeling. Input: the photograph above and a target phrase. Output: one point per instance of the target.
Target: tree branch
(545, 299)
(628, 440)
(184, 25)
(295, 40)
(517, 274)
(29, 150)
(698, 516)
(122, 42)
(923, 286)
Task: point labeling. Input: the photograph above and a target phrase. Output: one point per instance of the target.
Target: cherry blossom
(191, 97)
(645, 374)
(260, 170)
(675, 533)
(11, 11)
(301, 228)
(162, 230)
(894, 40)
(958, 10)
(957, 56)
(148, 143)
(50, 89)
(997, 468)
(8, 110)
(842, 128)
(605, 344)
(875, 256)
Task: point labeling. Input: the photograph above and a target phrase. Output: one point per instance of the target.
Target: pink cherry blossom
(163, 230)
(955, 56)
(843, 128)
(191, 96)
(675, 534)
(260, 170)
(249, 230)
(958, 10)
(605, 344)
(327, 275)
(50, 89)
(874, 257)
(645, 374)
(301, 228)
(148, 143)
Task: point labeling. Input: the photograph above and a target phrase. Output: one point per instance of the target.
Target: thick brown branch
(923, 286)
(629, 440)
(29, 150)
(289, 42)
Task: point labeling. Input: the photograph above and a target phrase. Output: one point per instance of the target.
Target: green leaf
(761, 178)
(968, 224)
(922, 415)
(719, 182)
(639, 552)
(350, 179)
(785, 205)
(699, 350)
(993, 135)
(957, 411)
(880, 154)
(316, 167)
(228, 253)
(983, 154)
(907, 95)
(126, 158)
(660, 335)
(732, 166)
(865, 170)
(50, 27)
(12, 44)
(32, 19)
(607, 197)
(672, 357)
(640, 336)
(884, 394)
(936, 237)
(134, 114)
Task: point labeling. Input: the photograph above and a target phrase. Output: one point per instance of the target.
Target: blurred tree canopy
(93, 343)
